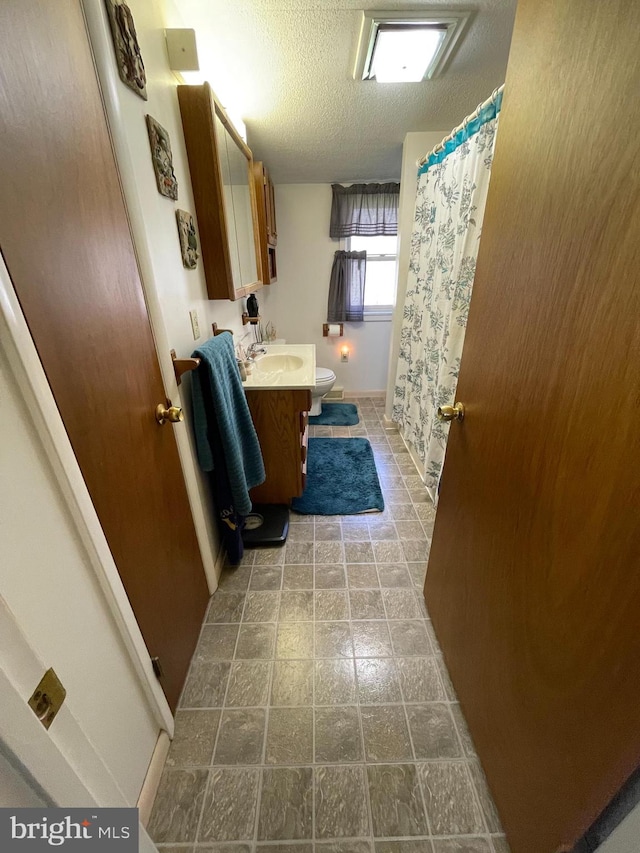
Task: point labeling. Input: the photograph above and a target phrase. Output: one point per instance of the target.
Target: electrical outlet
(195, 326)
(344, 356)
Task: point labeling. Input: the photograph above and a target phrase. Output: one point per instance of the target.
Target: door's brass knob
(451, 413)
(173, 414)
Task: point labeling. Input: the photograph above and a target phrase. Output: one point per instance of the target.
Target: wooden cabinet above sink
(222, 175)
(267, 227)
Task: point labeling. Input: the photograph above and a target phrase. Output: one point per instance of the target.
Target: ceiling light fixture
(403, 47)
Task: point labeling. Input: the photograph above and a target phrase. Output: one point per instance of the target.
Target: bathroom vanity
(281, 419)
(278, 392)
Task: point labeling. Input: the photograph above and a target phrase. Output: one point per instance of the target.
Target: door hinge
(157, 667)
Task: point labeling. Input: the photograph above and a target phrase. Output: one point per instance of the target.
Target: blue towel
(238, 437)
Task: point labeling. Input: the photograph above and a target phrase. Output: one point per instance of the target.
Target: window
(380, 285)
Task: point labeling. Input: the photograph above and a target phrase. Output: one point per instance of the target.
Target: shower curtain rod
(457, 129)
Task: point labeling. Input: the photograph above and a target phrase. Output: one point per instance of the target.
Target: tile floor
(318, 716)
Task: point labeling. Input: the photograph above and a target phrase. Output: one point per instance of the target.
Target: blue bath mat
(336, 414)
(341, 478)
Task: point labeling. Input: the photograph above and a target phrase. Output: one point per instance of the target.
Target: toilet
(325, 379)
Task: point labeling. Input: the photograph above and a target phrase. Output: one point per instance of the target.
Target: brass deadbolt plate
(47, 698)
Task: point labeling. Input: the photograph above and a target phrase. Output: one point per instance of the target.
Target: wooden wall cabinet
(270, 200)
(281, 421)
(267, 227)
(222, 175)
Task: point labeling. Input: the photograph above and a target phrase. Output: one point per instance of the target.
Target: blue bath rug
(341, 478)
(336, 414)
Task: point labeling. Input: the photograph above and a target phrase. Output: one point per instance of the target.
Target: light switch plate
(195, 326)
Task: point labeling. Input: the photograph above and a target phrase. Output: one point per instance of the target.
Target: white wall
(49, 585)
(299, 297)
(16, 789)
(416, 145)
(624, 838)
(171, 290)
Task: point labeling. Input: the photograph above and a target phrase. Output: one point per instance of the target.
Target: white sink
(286, 366)
(268, 363)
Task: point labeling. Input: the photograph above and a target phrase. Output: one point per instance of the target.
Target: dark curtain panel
(346, 287)
(364, 210)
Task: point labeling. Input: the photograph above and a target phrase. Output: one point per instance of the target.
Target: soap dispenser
(252, 306)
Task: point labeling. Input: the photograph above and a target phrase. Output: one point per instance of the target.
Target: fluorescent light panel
(402, 54)
(407, 46)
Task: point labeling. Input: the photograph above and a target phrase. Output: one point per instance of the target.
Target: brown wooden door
(65, 239)
(534, 578)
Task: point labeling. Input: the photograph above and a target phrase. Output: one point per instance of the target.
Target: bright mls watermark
(36, 830)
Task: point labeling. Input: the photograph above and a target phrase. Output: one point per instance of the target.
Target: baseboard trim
(335, 394)
(390, 426)
(410, 448)
(420, 469)
(152, 779)
(219, 565)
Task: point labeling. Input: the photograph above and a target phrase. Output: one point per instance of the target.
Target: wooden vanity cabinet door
(279, 417)
(304, 429)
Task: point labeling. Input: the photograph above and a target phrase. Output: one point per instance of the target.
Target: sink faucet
(255, 349)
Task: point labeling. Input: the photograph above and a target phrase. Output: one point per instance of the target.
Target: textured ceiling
(286, 67)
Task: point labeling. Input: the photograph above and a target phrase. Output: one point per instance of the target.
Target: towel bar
(217, 331)
(183, 365)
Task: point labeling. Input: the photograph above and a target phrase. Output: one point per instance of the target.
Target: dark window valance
(364, 210)
(346, 287)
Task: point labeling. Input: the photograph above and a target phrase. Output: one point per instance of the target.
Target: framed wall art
(125, 42)
(188, 239)
(162, 159)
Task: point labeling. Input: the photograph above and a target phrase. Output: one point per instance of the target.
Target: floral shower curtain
(451, 197)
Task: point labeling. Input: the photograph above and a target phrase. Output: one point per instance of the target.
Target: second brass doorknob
(173, 414)
(451, 413)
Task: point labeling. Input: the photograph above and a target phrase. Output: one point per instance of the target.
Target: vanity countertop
(284, 366)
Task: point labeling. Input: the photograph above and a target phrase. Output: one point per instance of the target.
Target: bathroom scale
(267, 525)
